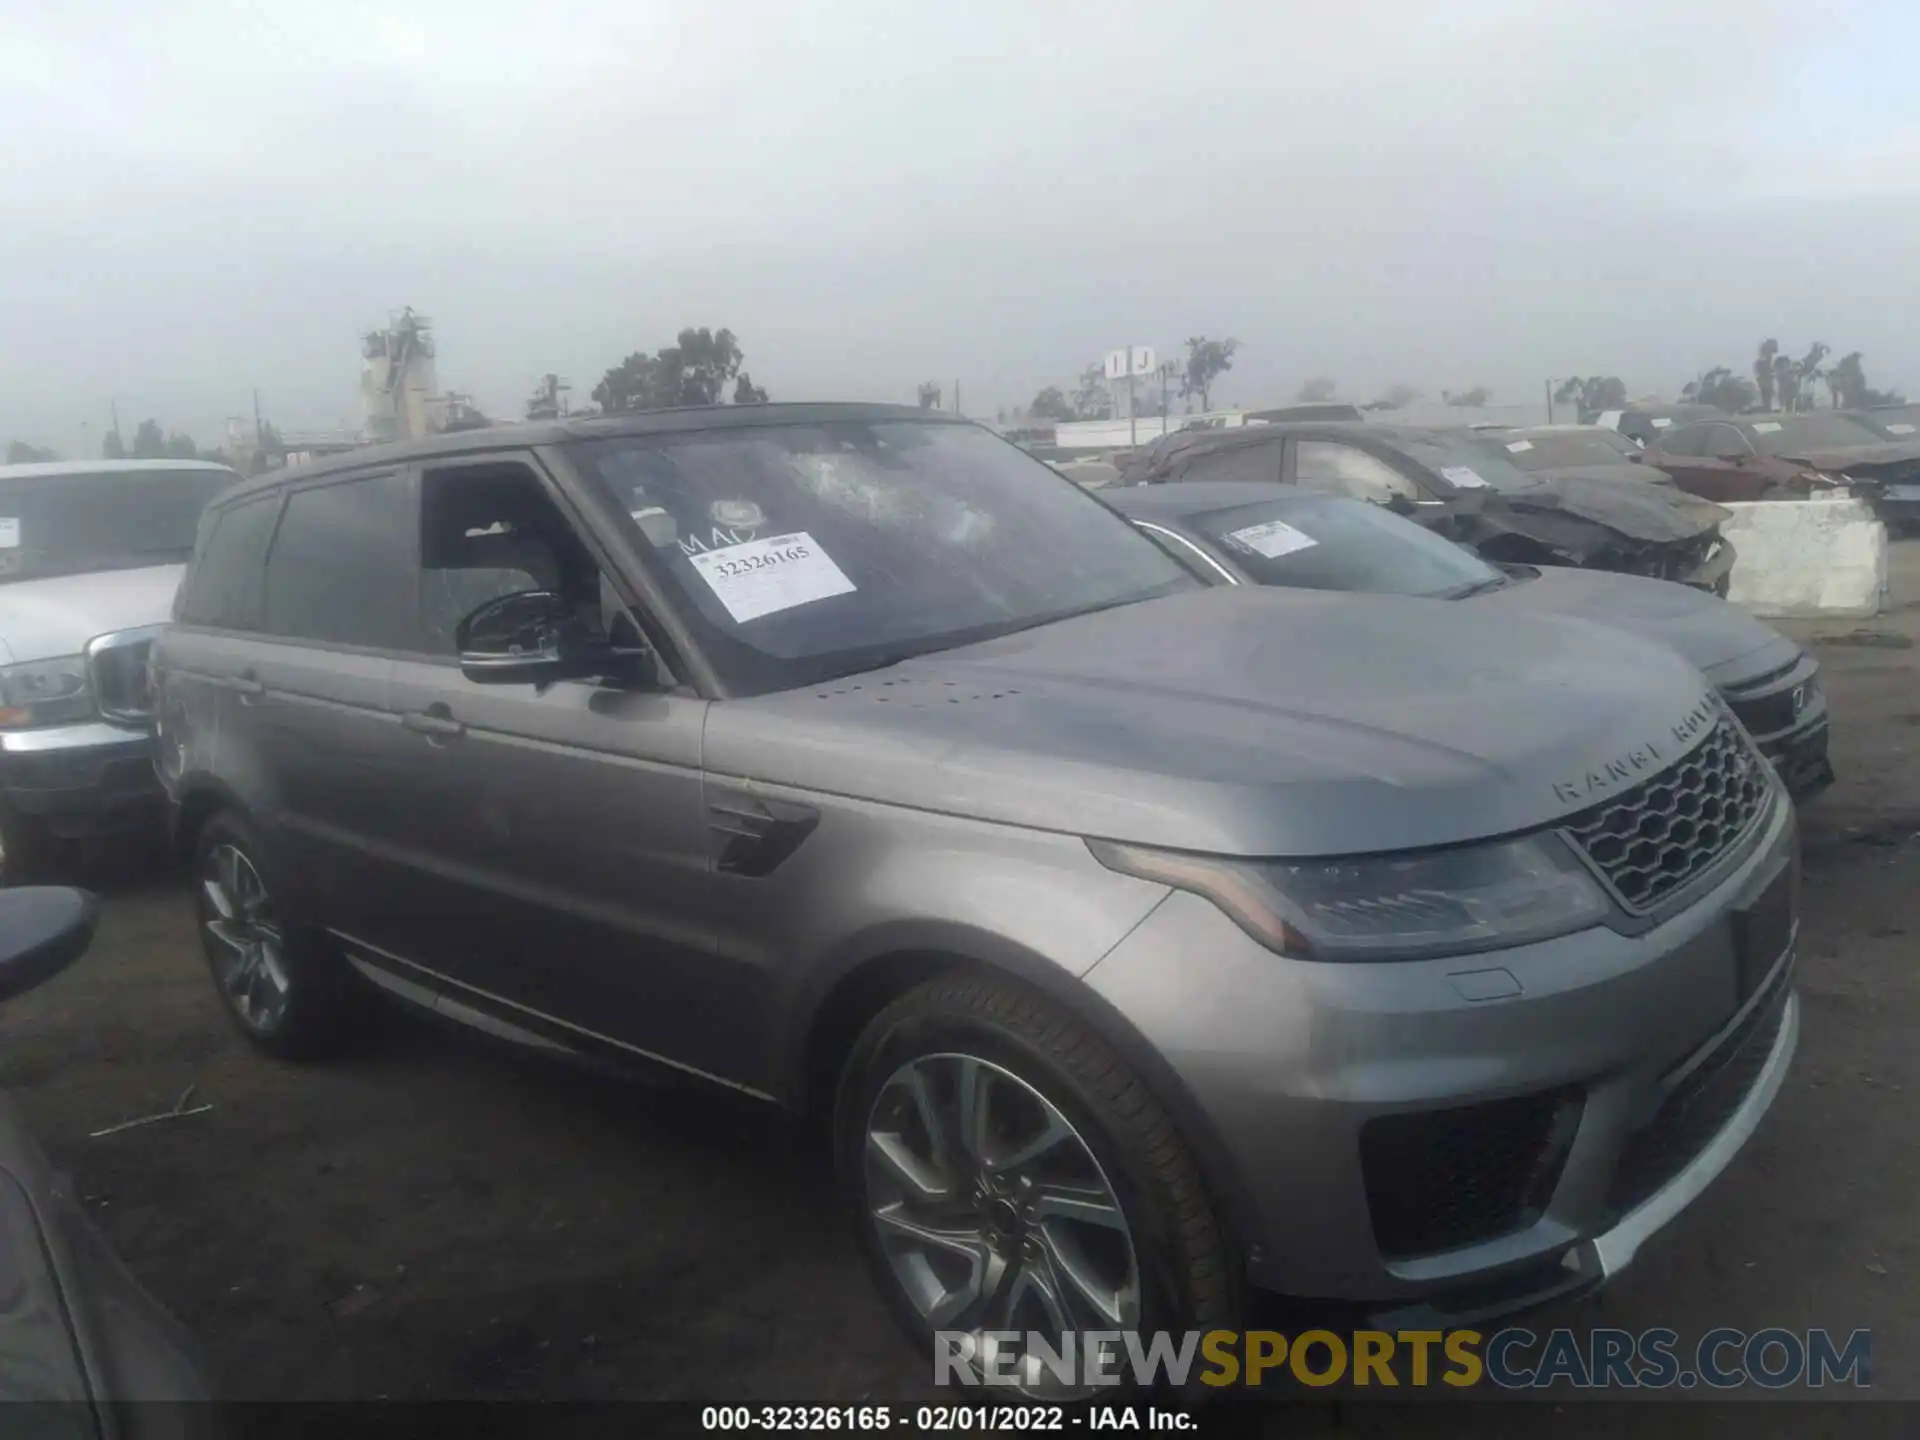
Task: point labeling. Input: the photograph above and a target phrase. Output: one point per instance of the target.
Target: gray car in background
(1146, 942)
(1331, 543)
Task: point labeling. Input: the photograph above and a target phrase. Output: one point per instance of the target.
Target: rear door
(337, 606)
(560, 834)
(203, 710)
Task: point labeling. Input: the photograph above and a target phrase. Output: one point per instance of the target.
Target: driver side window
(1686, 441)
(1348, 470)
(491, 530)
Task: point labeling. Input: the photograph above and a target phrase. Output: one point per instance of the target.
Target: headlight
(1386, 907)
(45, 692)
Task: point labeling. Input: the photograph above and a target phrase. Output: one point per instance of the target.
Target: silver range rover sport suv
(1147, 944)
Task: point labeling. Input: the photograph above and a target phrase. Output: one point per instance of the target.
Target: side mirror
(43, 930)
(535, 637)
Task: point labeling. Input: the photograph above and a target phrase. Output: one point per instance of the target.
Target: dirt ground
(432, 1218)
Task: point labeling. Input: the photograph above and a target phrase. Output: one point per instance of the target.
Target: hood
(1655, 513)
(1243, 720)
(1848, 457)
(1718, 638)
(1625, 473)
(40, 619)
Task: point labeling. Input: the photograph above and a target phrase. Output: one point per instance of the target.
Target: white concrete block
(1804, 558)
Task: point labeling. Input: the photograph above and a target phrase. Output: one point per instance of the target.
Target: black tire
(26, 849)
(1188, 1266)
(309, 1022)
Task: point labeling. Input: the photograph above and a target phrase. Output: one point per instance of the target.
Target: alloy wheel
(995, 1215)
(245, 939)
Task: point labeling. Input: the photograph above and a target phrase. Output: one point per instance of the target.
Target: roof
(567, 429)
(1197, 497)
(107, 467)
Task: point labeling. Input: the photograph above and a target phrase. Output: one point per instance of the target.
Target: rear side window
(342, 565)
(224, 589)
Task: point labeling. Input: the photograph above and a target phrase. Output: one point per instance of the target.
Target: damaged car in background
(1460, 485)
(1255, 534)
(1793, 457)
(1576, 452)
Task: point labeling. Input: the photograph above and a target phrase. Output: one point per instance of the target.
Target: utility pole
(113, 408)
(1133, 420)
(1549, 400)
(259, 432)
(956, 397)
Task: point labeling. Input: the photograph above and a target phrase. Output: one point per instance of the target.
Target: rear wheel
(282, 985)
(1009, 1172)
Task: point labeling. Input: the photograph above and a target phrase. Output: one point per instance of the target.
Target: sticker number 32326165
(777, 573)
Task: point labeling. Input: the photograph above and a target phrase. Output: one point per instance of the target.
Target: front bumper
(1288, 1062)
(81, 780)
(1715, 573)
(1786, 713)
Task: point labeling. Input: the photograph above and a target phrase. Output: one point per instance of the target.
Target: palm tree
(1763, 371)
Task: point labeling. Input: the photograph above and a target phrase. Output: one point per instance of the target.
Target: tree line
(1779, 381)
(1092, 395)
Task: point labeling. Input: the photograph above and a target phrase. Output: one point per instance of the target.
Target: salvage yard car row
(1384, 930)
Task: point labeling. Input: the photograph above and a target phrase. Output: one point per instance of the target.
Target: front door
(561, 833)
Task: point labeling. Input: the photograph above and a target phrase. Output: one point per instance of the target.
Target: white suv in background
(90, 555)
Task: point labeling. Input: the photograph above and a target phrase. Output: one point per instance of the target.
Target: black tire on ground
(26, 849)
(1189, 1267)
(319, 997)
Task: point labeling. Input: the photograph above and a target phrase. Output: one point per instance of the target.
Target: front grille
(1440, 1179)
(118, 666)
(1657, 836)
(1702, 1103)
(1770, 714)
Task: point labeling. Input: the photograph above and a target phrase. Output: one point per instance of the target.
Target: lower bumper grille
(1437, 1180)
(1702, 1103)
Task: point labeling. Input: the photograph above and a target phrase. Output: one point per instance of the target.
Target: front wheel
(1009, 1172)
(282, 985)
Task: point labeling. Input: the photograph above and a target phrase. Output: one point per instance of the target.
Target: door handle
(247, 685)
(436, 721)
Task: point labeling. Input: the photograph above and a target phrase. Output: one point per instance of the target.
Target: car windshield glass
(1803, 434)
(1327, 542)
(802, 552)
(1560, 450)
(102, 520)
(1470, 457)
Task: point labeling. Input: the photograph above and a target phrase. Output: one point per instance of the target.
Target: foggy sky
(199, 198)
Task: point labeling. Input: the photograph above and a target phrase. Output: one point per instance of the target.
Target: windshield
(803, 552)
(1327, 542)
(1476, 462)
(1557, 450)
(103, 520)
(1801, 434)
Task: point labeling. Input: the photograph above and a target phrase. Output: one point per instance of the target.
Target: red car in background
(1767, 457)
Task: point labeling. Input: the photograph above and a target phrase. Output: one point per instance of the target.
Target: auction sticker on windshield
(761, 577)
(1465, 478)
(1519, 446)
(1766, 427)
(1899, 427)
(1273, 539)
(9, 533)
